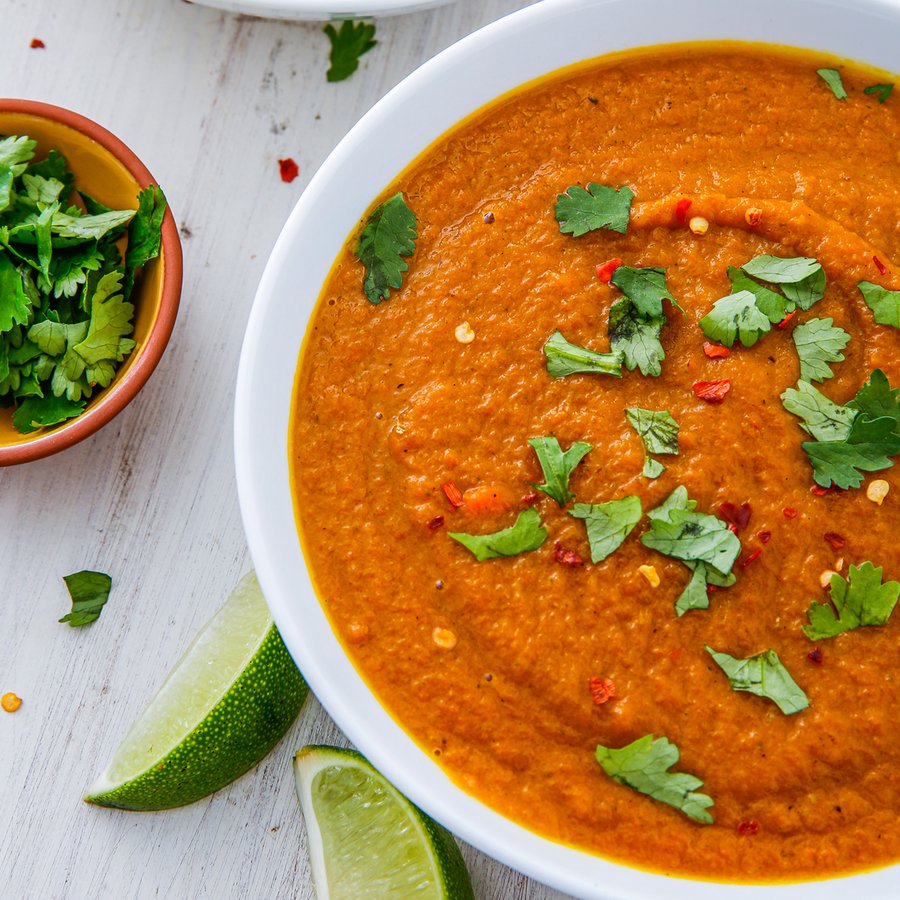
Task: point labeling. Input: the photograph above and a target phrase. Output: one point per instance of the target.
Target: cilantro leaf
(772, 304)
(347, 46)
(389, 235)
(144, 233)
(763, 675)
(89, 592)
(659, 433)
(695, 595)
(735, 317)
(564, 358)
(15, 305)
(524, 535)
(636, 337)
(884, 304)
(645, 288)
(881, 91)
(823, 419)
(801, 278)
(818, 343)
(859, 601)
(38, 412)
(653, 468)
(876, 398)
(643, 766)
(579, 211)
(557, 466)
(86, 228)
(16, 152)
(608, 524)
(832, 77)
(867, 448)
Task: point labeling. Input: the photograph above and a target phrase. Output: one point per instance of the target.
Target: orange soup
(482, 459)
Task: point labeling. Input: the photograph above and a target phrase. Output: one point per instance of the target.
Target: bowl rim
(123, 392)
(262, 410)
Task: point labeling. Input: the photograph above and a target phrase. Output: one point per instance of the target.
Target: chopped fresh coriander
(772, 304)
(558, 466)
(645, 288)
(880, 91)
(347, 46)
(89, 592)
(884, 304)
(608, 524)
(643, 766)
(832, 77)
(579, 211)
(653, 468)
(801, 278)
(735, 317)
(659, 433)
(636, 337)
(525, 534)
(859, 601)
(818, 343)
(42, 410)
(144, 233)
(877, 399)
(823, 419)
(389, 235)
(763, 675)
(565, 359)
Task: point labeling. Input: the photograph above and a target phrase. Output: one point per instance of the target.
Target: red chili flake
(289, 169)
(712, 391)
(733, 529)
(753, 216)
(602, 689)
(605, 270)
(765, 537)
(789, 512)
(820, 491)
(489, 218)
(453, 494)
(566, 557)
(681, 210)
(739, 516)
(436, 523)
(755, 555)
(712, 589)
(674, 655)
(748, 828)
(836, 540)
(787, 318)
(715, 351)
(879, 265)
(815, 655)
(531, 498)
(37, 44)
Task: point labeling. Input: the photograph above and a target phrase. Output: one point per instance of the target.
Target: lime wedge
(366, 840)
(223, 707)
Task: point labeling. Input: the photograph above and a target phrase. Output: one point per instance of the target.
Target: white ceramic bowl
(495, 59)
(317, 10)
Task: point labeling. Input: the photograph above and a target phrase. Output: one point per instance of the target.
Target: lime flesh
(224, 705)
(366, 840)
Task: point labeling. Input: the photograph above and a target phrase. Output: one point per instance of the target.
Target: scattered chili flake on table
(681, 210)
(289, 169)
(789, 512)
(814, 655)
(37, 44)
(787, 318)
(605, 270)
(712, 391)
(835, 540)
(748, 828)
(602, 689)
(715, 351)
(10, 702)
(566, 557)
(453, 494)
(882, 268)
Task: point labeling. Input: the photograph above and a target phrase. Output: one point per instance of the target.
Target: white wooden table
(210, 101)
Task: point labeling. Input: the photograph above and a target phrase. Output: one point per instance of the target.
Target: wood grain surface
(210, 101)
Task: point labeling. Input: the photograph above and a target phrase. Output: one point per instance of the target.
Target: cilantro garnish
(525, 534)
(801, 278)
(636, 337)
(859, 601)
(579, 211)
(389, 235)
(643, 766)
(564, 358)
(557, 466)
(832, 77)
(645, 287)
(763, 675)
(608, 524)
(347, 46)
(818, 343)
(823, 419)
(884, 304)
(880, 91)
(659, 433)
(736, 316)
(772, 304)
(89, 592)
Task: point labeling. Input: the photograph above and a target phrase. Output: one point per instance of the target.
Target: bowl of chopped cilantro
(90, 278)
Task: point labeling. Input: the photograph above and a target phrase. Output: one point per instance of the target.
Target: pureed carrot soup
(599, 492)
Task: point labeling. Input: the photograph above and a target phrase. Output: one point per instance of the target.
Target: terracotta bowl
(107, 170)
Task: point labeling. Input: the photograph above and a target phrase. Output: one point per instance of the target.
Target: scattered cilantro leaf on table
(773, 305)
(832, 77)
(735, 317)
(859, 601)
(884, 304)
(524, 535)
(658, 432)
(645, 287)
(643, 766)
(347, 45)
(89, 592)
(880, 91)
(389, 235)
(608, 524)
(765, 676)
(558, 466)
(801, 278)
(636, 337)
(818, 343)
(581, 210)
(564, 358)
